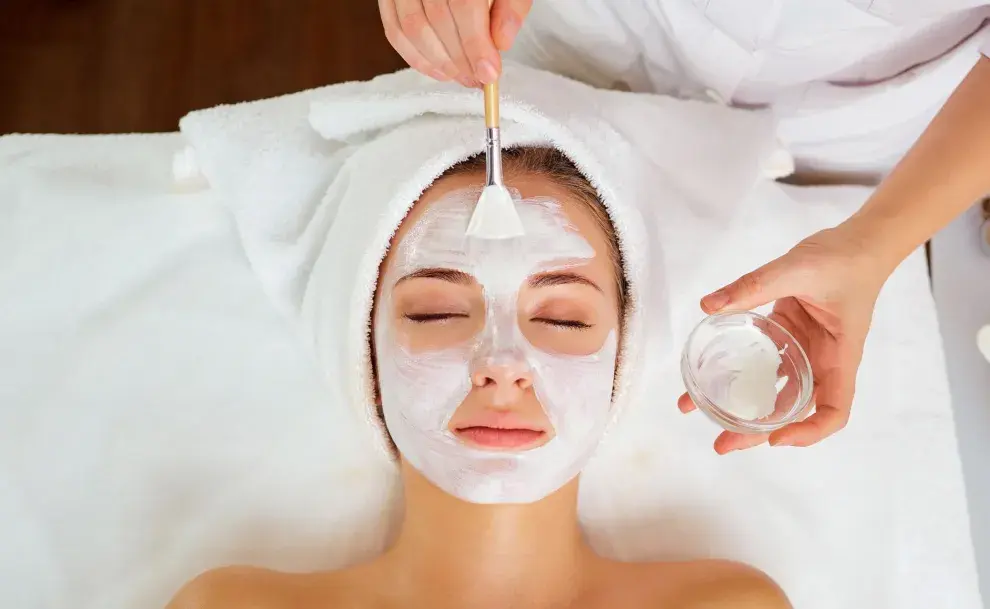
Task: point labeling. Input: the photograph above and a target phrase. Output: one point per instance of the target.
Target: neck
(479, 555)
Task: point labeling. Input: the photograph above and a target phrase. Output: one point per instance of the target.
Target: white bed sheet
(146, 385)
(157, 417)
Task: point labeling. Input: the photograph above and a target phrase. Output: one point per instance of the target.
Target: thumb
(752, 290)
(507, 17)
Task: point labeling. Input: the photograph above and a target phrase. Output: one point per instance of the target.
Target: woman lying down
(494, 363)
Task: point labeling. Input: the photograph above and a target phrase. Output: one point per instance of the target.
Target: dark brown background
(100, 66)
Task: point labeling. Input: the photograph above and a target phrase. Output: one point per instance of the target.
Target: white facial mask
(420, 391)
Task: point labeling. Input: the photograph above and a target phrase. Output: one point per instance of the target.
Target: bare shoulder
(722, 584)
(231, 587)
(698, 584)
(252, 588)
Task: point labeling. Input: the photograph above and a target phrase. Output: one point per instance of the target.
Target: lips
(499, 438)
(501, 430)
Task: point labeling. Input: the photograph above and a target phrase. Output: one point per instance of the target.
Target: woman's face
(496, 358)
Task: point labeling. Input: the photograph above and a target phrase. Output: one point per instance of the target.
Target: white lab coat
(852, 82)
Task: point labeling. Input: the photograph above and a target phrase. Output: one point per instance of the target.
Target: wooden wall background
(103, 66)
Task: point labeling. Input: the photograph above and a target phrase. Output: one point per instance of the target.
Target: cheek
(417, 391)
(421, 392)
(577, 390)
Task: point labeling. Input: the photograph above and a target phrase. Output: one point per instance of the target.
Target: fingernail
(485, 71)
(715, 301)
(778, 442)
(465, 82)
(438, 75)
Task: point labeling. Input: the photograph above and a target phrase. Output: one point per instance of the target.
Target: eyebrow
(450, 275)
(543, 280)
(561, 278)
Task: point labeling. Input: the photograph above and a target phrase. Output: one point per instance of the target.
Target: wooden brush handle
(491, 105)
(491, 96)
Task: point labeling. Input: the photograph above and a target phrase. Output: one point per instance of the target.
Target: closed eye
(572, 324)
(425, 318)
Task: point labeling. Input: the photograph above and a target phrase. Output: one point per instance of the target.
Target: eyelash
(426, 318)
(570, 324)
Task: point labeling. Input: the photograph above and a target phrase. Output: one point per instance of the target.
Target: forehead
(444, 209)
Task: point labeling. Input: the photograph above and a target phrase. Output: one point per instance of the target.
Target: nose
(508, 379)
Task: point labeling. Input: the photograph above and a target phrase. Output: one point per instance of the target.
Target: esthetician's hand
(825, 290)
(454, 39)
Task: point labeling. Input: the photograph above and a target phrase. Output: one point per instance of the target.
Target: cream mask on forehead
(421, 387)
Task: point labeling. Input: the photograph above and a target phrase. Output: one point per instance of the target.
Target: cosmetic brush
(495, 215)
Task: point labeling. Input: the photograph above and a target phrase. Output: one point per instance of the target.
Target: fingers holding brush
(454, 39)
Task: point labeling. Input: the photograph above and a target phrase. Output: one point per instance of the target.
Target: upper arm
(235, 587)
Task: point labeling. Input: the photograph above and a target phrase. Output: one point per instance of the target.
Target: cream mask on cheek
(421, 389)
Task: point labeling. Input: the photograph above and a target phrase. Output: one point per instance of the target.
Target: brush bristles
(495, 215)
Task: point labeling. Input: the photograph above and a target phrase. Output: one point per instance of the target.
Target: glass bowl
(746, 372)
